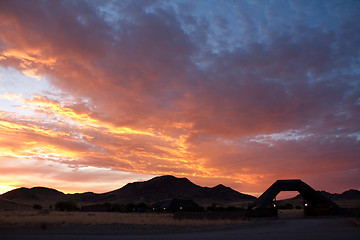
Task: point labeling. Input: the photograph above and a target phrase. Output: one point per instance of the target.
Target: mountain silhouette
(351, 194)
(9, 205)
(33, 195)
(166, 187)
(151, 191)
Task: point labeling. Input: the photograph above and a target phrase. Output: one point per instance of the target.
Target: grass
(21, 218)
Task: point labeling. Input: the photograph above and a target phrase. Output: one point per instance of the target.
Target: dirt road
(294, 229)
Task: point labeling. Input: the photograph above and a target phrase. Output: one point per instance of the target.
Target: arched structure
(315, 202)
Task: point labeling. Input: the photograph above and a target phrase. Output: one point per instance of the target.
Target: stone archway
(315, 203)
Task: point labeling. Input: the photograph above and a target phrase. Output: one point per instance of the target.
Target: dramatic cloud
(241, 92)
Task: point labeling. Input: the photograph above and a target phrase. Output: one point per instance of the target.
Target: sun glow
(153, 91)
(54, 132)
(75, 135)
(6, 188)
(29, 58)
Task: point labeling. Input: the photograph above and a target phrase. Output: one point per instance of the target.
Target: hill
(347, 199)
(166, 187)
(8, 205)
(33, 195)
(351, 194)
(151, 191)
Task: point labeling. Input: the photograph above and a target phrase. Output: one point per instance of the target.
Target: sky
(96, 94)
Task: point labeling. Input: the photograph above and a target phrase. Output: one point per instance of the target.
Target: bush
(211, 208)
(286, 206)
(231, 208)
(214, 208)
(37, 206)
(43, 226)
(116, 207)
(66, 206)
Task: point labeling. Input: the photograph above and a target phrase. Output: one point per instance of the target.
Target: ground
(70, 227)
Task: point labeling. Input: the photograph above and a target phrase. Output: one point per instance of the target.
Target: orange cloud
(80, 140)
(29, 60)
(159, 93)
(78, 137)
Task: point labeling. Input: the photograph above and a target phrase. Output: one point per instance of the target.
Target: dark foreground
(301, 228)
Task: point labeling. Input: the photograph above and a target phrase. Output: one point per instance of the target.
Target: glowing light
(31, 73)
(28, 59)
(5, 188)
(30, 55)
(60, 123)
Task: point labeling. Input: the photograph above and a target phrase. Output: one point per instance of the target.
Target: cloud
(10, 96)
(60, 134)
(156, 90)
(32, 173)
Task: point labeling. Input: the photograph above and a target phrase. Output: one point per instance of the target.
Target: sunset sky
(95, 94)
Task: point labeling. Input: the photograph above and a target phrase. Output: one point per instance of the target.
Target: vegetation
(66, 206)
(37, 207)
(214, 208)
(116, 207)
(136, 208)
(43, 226)
(58, 218)
(286, 206)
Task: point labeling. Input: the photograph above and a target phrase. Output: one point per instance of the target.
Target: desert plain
(32, 214)
(97, 225)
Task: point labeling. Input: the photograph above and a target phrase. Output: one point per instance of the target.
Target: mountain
(33, 195)
(153, 190)
(8, 205)
(158, 188)
(82, 197)
(228, 194)
(347, 199)
(351, 194)
(166, 187)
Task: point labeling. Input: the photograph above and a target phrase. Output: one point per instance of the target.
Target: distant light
(306, 204)
(180, 208)
(274, 205)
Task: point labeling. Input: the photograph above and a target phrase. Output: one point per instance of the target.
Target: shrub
(231, 208)
(286, 206)
(142, 207)
(211, 208)
(66, 206)
(37, 206)
(43, 226)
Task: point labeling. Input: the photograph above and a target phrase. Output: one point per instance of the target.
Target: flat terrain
(161, 226)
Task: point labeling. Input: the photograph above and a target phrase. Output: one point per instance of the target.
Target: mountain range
(151, 191)
(351, 194)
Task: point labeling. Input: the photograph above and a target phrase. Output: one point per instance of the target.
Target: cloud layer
(239, 92)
